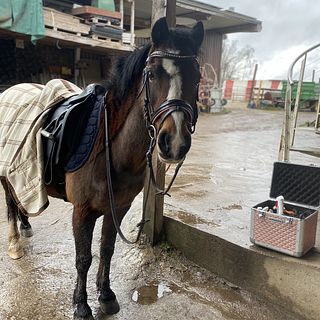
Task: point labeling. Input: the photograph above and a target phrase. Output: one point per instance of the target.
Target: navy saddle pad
(69, 133)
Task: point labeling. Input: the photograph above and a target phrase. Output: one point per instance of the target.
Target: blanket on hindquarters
(23, 110)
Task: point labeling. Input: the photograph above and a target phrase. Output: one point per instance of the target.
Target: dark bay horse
(156, 84)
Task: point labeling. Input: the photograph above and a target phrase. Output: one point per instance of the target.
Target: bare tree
(236, 62)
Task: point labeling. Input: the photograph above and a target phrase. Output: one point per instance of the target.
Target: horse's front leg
(83, 224)
(107, 299)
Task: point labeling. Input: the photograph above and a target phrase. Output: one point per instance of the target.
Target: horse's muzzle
(173, 149)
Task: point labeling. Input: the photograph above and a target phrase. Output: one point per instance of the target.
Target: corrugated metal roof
(214, 18)
(219, 19)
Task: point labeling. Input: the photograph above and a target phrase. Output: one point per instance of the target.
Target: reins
(110, 189)
(151, 116)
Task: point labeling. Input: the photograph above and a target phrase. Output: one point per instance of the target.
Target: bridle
(152, 116)
(168, 106)
(163, 111)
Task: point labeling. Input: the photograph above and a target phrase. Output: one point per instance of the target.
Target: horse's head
(171, 81)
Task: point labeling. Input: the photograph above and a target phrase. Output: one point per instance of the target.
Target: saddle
(69, 133)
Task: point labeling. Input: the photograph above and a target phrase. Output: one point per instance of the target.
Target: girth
(64, 131)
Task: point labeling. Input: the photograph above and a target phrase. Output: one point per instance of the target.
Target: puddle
(226, 298)
(233, 207)
(189, 218)
(230, 207)
(151, 293)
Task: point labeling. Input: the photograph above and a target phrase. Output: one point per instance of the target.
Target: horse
(152, 91)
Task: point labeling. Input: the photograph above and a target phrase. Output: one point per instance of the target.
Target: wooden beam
(132, 22)
(158, 10)
(121, 13)
(171, 13)
(79, 40)
(253, 81)
(248, 27)
(77, 57)
(154, 204)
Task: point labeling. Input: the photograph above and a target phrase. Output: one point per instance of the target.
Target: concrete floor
(228, 170)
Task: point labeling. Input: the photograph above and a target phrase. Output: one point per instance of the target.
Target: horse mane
(127, 71)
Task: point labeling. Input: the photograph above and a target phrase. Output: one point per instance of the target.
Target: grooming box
(294, 231)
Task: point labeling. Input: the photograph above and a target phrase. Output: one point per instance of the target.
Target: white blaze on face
(175, 92)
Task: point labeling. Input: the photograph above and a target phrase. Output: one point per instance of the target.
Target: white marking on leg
(15, 250)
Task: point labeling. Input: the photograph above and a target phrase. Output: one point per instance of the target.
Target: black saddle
(63, 131)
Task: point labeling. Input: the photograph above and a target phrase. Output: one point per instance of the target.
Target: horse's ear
(160, 32)
(198, 34)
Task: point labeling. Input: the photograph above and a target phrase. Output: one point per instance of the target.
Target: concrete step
(310, 151)
(292, 283)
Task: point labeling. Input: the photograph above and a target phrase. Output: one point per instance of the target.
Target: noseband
(168, 106)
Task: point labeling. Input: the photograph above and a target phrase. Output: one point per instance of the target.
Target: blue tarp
(23, 16)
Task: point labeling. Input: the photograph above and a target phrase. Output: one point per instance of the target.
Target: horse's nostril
(164, 142)
(184, 148)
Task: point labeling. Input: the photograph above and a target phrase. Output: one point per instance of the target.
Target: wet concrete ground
(214, 191)
(229, 169)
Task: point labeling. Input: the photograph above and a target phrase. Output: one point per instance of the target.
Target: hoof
(76, 317)
(15, 250)
(26, 233)
(83, 312)
(109, 307)
(15, 254)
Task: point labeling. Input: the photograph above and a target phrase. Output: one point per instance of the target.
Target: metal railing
(290, 117)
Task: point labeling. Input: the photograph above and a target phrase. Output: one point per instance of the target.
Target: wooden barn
(82, 37)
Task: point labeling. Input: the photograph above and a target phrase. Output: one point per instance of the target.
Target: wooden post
(158, 10)
(121, 12)
(77, 57)
(132, 22)
(258, 95)
(154, 205)
(252, 85)
(171, 13)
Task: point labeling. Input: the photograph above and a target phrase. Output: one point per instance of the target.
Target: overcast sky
(288, 28)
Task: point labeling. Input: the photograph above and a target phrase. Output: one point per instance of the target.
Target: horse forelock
(181, 40)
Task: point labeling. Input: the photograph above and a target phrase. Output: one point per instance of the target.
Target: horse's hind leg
(25, 227)
(107, 299)
(83, 224)
(15, 250)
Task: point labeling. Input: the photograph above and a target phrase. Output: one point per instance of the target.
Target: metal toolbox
(293, 235)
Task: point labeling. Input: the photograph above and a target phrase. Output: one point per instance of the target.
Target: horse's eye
(150, 75)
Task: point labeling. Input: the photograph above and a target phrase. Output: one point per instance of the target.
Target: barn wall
(212, 50)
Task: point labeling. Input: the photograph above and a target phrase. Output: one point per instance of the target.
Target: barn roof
(188, 11)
